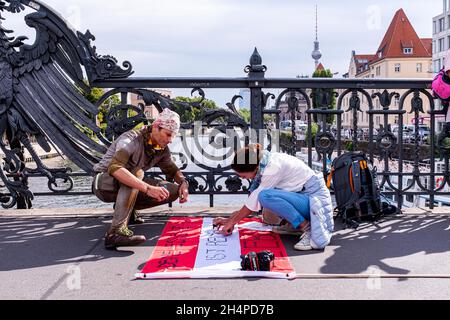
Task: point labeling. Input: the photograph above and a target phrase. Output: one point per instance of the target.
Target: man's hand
(160, 194)
(184, 192)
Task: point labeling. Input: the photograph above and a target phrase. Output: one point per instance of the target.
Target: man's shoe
(123, 238)
(135, 218)
(305, 243)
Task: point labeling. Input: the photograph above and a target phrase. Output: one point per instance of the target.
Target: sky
(215, 38)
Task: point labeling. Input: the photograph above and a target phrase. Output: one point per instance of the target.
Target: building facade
(441, 36)
(402, 55)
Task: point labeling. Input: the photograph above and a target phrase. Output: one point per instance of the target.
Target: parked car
(409, 133)
(299, 125)
(286, 125)
(424, 133)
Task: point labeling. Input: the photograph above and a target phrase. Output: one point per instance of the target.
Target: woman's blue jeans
(292, 206)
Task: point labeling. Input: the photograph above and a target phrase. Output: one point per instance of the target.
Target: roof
(362, 62)
(401, 35)
(428, 44)
(368, 57)
(320, 67)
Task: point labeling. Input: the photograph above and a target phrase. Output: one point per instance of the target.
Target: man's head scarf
(168, 120)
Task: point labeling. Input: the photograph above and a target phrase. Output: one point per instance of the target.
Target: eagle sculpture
(41, 96)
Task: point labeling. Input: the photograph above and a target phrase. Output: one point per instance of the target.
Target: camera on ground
(261, 261)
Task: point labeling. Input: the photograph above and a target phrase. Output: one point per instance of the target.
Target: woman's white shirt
(283, 172)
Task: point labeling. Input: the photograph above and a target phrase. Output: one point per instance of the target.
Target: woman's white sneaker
(305, 243)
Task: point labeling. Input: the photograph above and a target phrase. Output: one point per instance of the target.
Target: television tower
(316, 54)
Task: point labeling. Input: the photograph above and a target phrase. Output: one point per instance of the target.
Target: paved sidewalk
(44, 252)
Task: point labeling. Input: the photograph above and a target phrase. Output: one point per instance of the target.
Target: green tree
(285, 141)
(94, 96)
(268, 118)
(317, 93)
(245, 114)
(314, 130)
(190, 114)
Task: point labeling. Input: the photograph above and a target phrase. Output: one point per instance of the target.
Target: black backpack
(356, 189)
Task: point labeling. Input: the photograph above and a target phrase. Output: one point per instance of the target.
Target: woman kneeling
(285, 186)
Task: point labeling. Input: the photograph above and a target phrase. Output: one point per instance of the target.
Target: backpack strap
(330, 177)
(355, 176)
(355, 184)
(374, 189)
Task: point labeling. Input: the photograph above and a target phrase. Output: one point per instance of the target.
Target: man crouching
(120, 177)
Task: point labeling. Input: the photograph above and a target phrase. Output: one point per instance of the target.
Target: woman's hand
(219, 222)
(225, 226)
(227, 229)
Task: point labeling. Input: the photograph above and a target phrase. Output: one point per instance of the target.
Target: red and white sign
(191, 248)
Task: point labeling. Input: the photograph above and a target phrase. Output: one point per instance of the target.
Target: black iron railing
(41, 96)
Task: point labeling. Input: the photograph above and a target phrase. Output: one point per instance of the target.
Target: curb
(102, 212)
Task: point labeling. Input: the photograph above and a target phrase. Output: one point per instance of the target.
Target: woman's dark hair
(247, 159)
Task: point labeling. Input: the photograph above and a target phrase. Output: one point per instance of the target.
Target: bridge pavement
(59, 254)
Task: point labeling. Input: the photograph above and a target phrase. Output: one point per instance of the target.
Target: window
(378, 71)
(434, 27)
(437, 65)
(380, 54)
(441, 45)
(441, 24)
(408, 50)
(434, 46)
(397, 67)
(419, 68)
